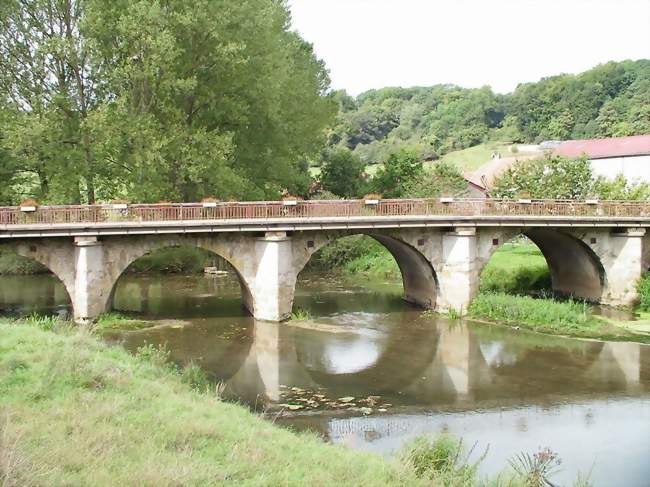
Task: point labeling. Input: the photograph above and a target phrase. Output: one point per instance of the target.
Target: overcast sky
(376, 43)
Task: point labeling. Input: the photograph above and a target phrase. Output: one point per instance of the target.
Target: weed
(442, 460)
(300, 314)
(535, 470)
(194, 376)
(158, 356)
(643, 287)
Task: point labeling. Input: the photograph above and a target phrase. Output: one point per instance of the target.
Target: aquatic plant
(300, 314)
(535, 470)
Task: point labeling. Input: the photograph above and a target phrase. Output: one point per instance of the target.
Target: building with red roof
(629, 156)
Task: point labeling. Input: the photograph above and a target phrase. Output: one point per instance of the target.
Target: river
(371, 372)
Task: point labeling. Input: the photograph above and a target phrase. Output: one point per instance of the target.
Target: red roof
(635, 145)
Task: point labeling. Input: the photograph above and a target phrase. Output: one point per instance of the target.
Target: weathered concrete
(440, 266)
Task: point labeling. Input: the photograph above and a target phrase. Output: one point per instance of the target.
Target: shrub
(643, 288)
(12, 264)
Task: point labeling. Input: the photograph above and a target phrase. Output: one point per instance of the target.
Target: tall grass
(441, 460)
(548, 314)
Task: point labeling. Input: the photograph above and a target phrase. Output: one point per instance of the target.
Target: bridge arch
(419, 278)
(57, 256)
(119, 258)
(576, 269)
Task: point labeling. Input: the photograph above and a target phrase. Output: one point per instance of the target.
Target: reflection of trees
(220, 351)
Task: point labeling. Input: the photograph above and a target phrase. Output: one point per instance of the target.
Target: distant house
(629, 156)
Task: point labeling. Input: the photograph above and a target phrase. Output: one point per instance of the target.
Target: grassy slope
(474, 157)
(78, 412)
(466, 160)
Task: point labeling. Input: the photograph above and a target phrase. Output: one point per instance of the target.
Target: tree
(443, 179)
(398, 172)
(150, 99)
(549, 178)
(342, 173)
(48, 79)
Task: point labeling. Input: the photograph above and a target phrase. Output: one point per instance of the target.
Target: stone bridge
(595, 250)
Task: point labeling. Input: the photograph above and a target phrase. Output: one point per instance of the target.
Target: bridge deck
(314, 215)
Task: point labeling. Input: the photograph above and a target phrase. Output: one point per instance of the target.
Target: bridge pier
(458, 275)
(272, 289)
(88, 300)
(623, 263)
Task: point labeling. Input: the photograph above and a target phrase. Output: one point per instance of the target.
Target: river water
(370, 372)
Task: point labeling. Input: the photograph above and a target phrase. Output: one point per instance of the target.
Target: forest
(150, 101)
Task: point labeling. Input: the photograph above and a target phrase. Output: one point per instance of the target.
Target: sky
(472, 43)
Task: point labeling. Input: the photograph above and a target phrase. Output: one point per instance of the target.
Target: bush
(355, 254)
(643, 288)
(516, 281)
(15, 265)
(178, 260)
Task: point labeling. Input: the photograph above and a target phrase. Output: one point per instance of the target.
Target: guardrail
(265, 210)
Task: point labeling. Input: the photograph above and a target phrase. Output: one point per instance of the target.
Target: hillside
(459, 125)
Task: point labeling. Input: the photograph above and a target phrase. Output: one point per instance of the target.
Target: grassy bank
(74, 411)
(571, 318)
(516, 268)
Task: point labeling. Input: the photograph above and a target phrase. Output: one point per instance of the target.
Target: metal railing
(267, 210)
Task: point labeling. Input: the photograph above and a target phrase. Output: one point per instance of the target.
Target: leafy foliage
(342, 173)
(442, 179)
(551, 177)
(643, 288)
(612, 99)
(399, 171)
(152, 100)
(559, 178)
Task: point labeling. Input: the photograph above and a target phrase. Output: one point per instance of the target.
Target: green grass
(117, 321)
(75, 411)
(538, 314)
(357, 254)
(516, 268)
(474, 157)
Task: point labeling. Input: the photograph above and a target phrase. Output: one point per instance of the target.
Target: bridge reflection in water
(513, 390)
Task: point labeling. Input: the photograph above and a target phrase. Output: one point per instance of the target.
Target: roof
(636, 145)
(484, 176)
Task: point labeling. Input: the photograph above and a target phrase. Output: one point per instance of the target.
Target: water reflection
(411, 372)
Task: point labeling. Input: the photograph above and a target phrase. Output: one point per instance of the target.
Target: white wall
(634, 168)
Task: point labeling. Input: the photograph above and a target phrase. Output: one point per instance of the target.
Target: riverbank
(565, 318)
(75, 411)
